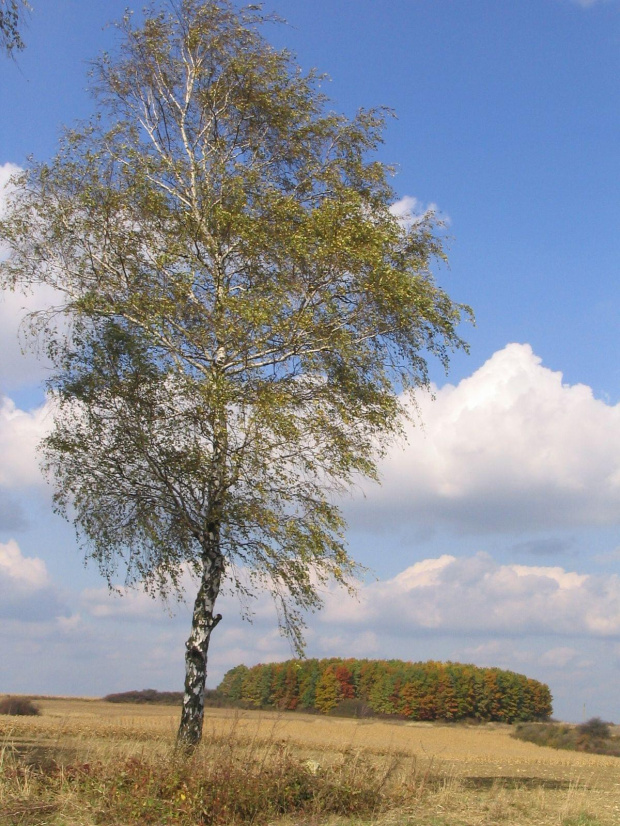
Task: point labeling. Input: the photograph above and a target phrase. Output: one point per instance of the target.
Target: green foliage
(231, 686)
(594, 736)
(328, 691)
(19, 707)
(417, 691)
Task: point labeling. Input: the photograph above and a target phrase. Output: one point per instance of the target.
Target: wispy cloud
(586, 4)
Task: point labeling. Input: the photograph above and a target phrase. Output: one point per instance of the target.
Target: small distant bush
(594, 729)
(352, 708)
(594, 736)
(19, 707)
(213, 699)
(166, 698)
(147, 695)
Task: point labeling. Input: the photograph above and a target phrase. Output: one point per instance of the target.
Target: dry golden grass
(472, 776)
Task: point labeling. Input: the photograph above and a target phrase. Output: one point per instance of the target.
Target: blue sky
(495, 537)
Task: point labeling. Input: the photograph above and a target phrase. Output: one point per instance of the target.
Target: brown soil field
(481, 775)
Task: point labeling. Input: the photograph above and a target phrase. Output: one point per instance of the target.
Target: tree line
(418, 691)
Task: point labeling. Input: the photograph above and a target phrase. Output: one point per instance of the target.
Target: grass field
(86, 762)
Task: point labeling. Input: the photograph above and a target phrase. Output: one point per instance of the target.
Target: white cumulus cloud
(20, 433)
(26, 591)
(28, 572)
(511, 448)
(477, 595)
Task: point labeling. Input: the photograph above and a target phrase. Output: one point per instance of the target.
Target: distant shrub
(19, 707)
(594, 736)
(352, 708)
(594, 729)
(166, 698)
(213, 699)
(147, 695)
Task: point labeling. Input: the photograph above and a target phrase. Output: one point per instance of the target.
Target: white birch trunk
(204, 621)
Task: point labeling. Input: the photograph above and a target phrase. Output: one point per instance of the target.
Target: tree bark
(203, 623)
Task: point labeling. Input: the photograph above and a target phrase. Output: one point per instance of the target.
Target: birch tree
(239, 322)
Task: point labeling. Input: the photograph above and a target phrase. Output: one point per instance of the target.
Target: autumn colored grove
(418, 691)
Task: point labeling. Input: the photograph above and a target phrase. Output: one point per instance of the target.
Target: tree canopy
(240, 316)
(418, 691)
